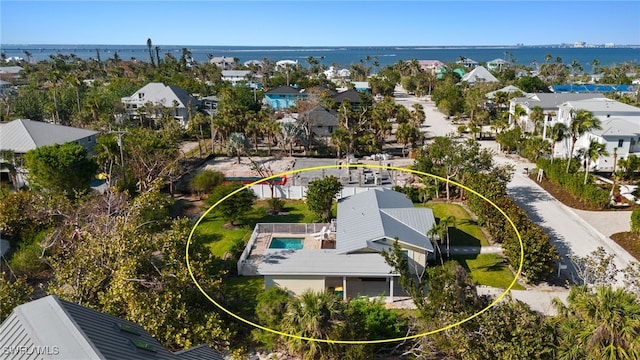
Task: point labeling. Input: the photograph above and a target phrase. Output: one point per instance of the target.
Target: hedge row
(573, 182)
(539, 253)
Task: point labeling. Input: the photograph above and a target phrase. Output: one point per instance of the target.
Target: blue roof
(584, 88)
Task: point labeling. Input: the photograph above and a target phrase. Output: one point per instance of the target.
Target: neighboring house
(468, 63)
(209, 105)
(5, 86)
(223, 62)
(22, 135)
(10, 71)
(549, 103)
(333, 73)
(322, 121)
(51, 328)
(352, 96)
(431, 66)
(160, 96)
(509, 89)
(620, 136)
(477, 75)
(367, 224)
(283, 97)
(620, 129)
(498, 64)
(362, 86)
(235, 76)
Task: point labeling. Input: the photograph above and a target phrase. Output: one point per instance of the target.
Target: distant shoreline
(416, 47)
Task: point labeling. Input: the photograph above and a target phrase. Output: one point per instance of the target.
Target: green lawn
(466, 232)
(221, 240)
(489, 270)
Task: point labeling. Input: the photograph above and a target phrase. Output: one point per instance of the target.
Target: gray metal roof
(618, 127)
(551, 101)
(10, 69)
(23, 135)
(283, 90)
(322, 263)
(235, 73)
(381, 214)
(320, 116)
(603, 104)
(71, 331)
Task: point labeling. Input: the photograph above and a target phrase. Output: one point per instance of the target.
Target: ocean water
(341, 56)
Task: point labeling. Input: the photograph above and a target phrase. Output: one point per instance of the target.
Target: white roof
(506, 89)
(22, 135)
(618, 127)
(164, 95)
(602, 104)
(322, 263)
(479, 74)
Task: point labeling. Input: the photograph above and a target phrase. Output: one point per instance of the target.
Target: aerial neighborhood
(166, 208)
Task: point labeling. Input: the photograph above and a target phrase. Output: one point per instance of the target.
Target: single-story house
(10, 71)
(367, 224)
(52, 328)
(283, 97)
(509, 89)
(21, 135)
(160, 96)
(479, 74)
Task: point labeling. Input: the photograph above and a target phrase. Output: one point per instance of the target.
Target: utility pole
(119, 134)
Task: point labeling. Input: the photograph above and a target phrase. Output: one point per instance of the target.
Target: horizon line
(587, 45)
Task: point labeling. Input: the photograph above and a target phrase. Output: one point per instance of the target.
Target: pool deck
(262, 243)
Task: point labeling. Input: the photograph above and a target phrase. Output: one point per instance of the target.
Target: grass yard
(222, 239)
(466, 232)
(488, 269)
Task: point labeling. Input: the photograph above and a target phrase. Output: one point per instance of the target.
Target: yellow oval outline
(354, 342)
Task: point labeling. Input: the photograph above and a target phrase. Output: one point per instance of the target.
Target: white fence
(298, 192)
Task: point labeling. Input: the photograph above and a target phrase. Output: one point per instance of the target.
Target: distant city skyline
(320, 23)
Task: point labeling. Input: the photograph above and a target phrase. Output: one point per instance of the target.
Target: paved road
(571, 233)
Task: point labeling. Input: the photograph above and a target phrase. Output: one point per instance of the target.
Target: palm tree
(407, 134)
(313, 315)
(28, 55)
(149, 44)
(592, 153)
(600, 324)
(290, 135)
(435, 233)
(582, 122)
(446, 223)
(558, 132)
(537, 117)
(594, 64)
(237, 144)
(518, 112)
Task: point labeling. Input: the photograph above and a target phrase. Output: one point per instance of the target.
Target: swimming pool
(287, 243)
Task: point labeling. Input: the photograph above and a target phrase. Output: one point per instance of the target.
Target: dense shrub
(539, 253)
(573, 182)
(635, 221)
(205, 181)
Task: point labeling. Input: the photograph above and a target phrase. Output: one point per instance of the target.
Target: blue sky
(317, 23)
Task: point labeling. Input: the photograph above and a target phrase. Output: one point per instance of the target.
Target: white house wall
(296, 284)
